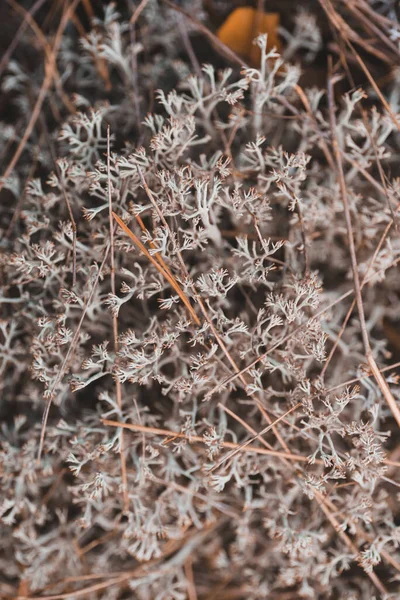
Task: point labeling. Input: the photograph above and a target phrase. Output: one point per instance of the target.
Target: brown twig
(64, 366)
(247, 426)
(364, 281)
(101, 64)
(376, 16)
(288, 336)
(203, 309)
(186, 273)
(257, 436)
(342, 25)
(138, 12)
(371, 25)
(50, 72)
(357, 287)
(382, 189)
(357, 379)
(188, 46)
(201, 440)
(171, 280)
(18, 35)
(218, 45)
(65, 196)
(78, 593)
(118, 389)
(382, 176)
(327, 6)
(47, 49)
(191, 586)
(322, 503)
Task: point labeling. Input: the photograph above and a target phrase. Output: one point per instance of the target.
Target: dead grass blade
(118, 389)
(48, 79)
(166, 274)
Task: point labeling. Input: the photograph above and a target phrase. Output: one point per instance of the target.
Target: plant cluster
(179, 300)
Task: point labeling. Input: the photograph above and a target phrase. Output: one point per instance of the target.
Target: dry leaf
(243, 25)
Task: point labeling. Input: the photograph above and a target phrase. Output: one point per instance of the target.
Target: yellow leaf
(243, 25)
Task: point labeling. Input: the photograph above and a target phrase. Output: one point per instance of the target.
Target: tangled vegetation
(199, 310)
